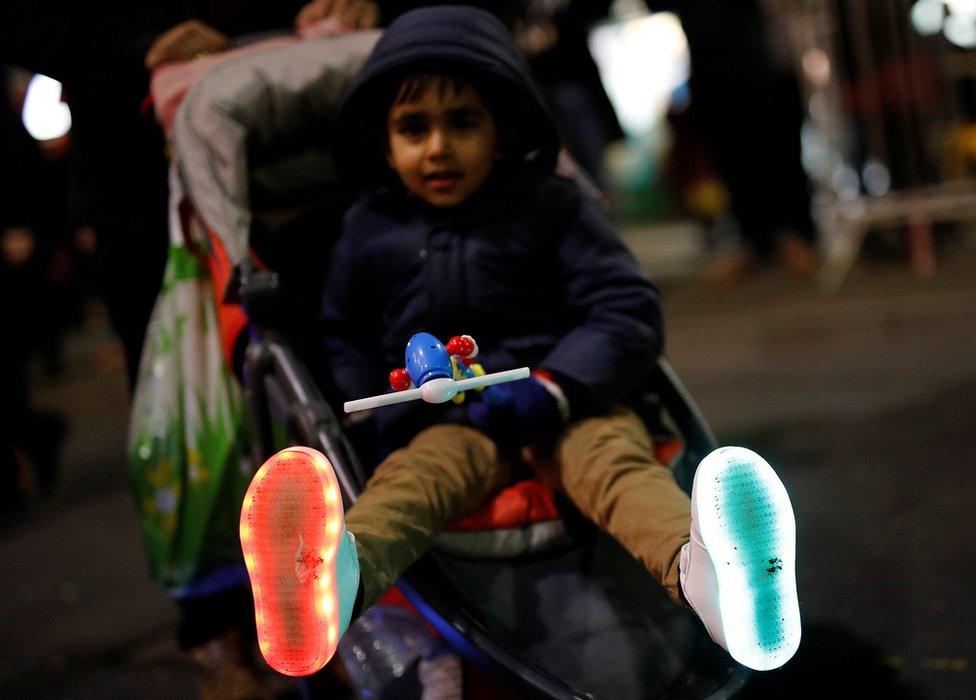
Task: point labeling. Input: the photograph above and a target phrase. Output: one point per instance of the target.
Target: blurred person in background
(103, 53)
(746, 107)
(553, 35)
(62, 258)
(118, 167)
(30, 440)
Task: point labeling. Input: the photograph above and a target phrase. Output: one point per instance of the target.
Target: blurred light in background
(928, 16)
(45, 116)
(961, 30)
(876, 178)
(642, 61)
(816, 67)
(815, 151)
(956, 19)
(845, 182)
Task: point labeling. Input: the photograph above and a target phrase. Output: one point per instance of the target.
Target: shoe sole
(747, 525)
(291, 526)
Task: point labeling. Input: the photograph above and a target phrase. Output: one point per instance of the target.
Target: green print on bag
(186, 455)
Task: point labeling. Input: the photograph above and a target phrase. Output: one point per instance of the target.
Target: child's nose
(439, 143)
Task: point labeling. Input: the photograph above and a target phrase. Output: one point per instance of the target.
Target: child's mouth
(442, 179)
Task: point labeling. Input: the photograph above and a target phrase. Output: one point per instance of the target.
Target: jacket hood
(460, 40)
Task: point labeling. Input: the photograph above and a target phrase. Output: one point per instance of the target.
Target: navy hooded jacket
(529, 266)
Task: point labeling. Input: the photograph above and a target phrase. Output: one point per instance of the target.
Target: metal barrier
(885, 140)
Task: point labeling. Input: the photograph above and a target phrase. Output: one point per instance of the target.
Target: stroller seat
(521, 519)
(568, 614)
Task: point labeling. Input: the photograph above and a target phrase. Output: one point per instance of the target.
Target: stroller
(553, 608)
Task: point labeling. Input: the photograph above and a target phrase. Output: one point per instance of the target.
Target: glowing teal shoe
(737, 572)
(302, 562)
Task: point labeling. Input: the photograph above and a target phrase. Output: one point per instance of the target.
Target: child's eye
(464, 123)
(411, 128)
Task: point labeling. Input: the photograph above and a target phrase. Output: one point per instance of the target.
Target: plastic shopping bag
(186, 454)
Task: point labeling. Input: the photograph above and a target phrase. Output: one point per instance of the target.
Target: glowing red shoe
(301, 560)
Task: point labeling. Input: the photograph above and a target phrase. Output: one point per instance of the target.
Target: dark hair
(407, 88)
(414, 85)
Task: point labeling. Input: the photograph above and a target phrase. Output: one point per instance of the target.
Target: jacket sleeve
(617, 330)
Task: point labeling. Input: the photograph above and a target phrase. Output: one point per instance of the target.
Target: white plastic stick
(509, 375)
(382, 400)
(456, 387)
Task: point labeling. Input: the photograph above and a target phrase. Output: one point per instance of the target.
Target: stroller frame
(279, 387)
(224, 130)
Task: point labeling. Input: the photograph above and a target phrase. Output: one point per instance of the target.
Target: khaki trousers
(605, 465)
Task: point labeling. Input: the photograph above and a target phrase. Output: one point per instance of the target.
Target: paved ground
(865, 401)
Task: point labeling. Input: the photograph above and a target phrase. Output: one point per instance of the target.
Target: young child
(466, 228)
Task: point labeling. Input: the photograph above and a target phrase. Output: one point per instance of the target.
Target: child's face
(443, 145)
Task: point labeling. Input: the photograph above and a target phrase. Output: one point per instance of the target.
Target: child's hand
(517, 414)
(190, 39)
(355, 14)
(17, 245)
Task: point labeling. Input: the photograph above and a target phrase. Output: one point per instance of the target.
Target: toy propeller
(436, 373)
(437, 390)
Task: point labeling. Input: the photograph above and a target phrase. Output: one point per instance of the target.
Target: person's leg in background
(13, 403)
(217, 631)
(748, 113)
(559, 55)
(32, 438)
(132, 263)
(585, 129)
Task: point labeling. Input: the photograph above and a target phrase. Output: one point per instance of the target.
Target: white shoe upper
(699, 584)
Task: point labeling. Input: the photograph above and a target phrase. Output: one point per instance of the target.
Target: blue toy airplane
(436, 373)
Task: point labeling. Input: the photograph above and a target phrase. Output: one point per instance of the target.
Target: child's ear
(503, 144)
(383, 146)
